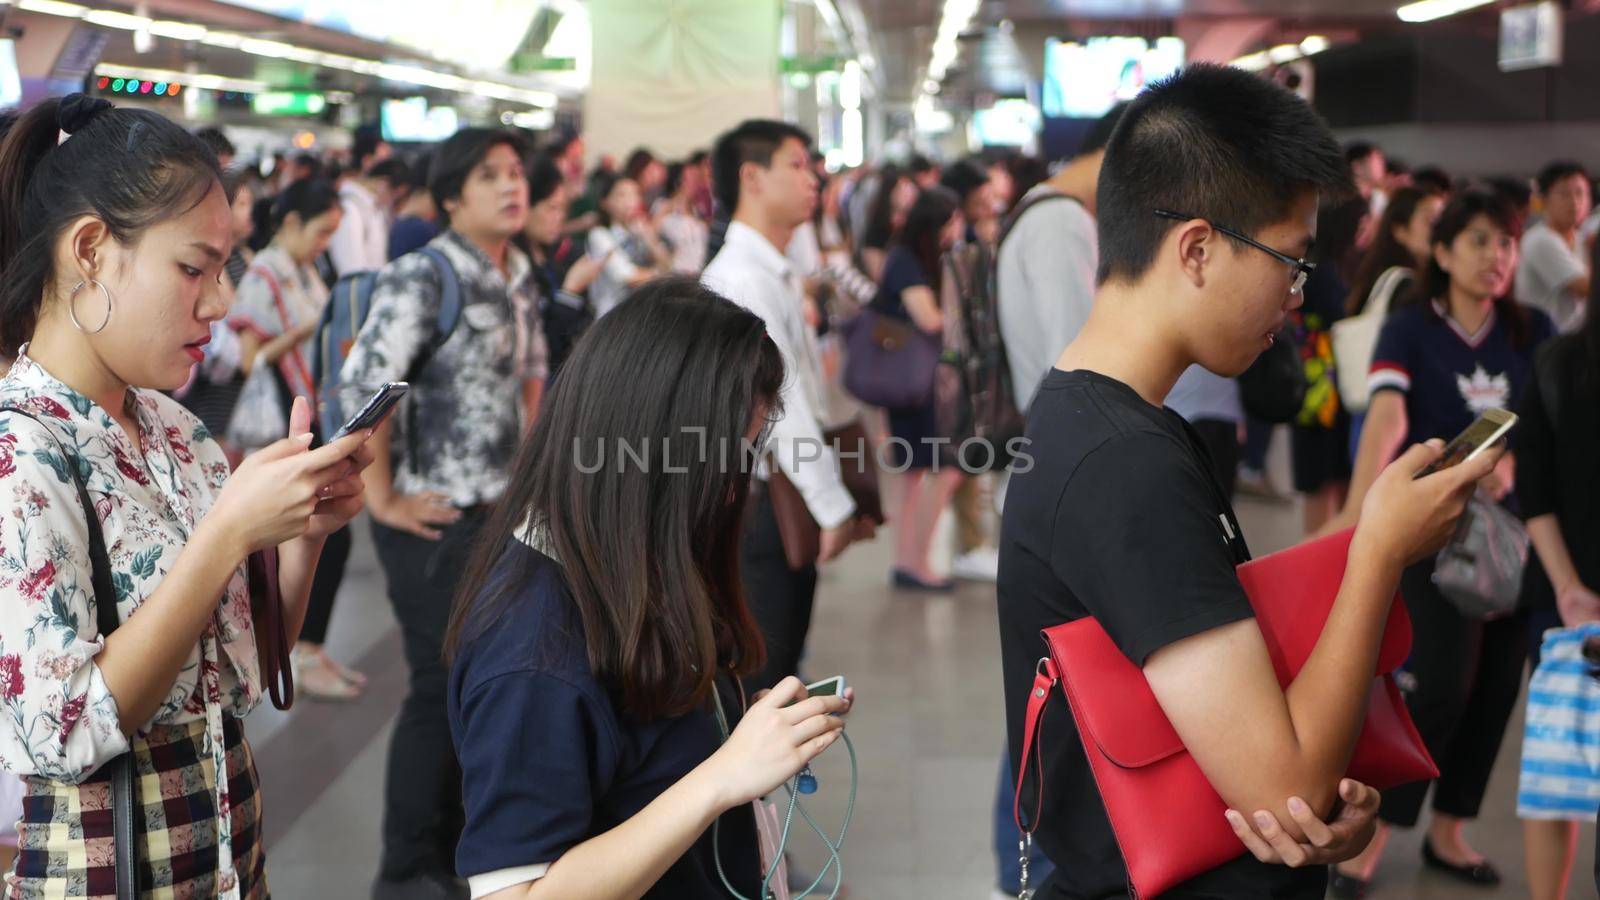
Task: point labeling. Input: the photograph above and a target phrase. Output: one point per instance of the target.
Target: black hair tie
(77, 110)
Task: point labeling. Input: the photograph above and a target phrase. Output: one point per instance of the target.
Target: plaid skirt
(66, 847)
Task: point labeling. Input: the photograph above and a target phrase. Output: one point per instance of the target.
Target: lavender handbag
(889, 361)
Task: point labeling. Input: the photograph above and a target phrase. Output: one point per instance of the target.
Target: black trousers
(781, 598)
(1468, 674)
(422, 817)
(325, 586)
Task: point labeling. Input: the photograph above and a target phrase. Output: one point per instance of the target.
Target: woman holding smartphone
(1465, 347)
(601, 633)
(280, 301)
(114, 227)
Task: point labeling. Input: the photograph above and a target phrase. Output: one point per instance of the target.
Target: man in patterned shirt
(441, 462)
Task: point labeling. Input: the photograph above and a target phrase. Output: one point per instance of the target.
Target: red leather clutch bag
(1167, 818)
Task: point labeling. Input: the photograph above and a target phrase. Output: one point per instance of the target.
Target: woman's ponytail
(24, 263)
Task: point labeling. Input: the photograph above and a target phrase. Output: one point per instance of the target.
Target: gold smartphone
(1482, 434)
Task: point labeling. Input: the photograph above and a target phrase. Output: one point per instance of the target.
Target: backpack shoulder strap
(449, 308)
(1022, 209)
(105, 593)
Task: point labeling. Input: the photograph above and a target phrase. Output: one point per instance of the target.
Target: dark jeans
(780, 597)
(1257, 440)
(1007, 838)
(325, 586)
(422, 816)
(1468, 674)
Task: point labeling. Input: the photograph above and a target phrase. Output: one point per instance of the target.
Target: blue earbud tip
(806, 783)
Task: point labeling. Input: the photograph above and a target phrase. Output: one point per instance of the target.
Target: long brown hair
(648, 543)
(1387, 251)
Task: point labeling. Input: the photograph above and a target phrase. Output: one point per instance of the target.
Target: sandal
(319, 682)
(356, 679)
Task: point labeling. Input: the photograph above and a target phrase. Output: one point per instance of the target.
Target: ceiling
(993, 60)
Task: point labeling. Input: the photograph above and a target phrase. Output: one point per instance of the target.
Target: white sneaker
(982, 564)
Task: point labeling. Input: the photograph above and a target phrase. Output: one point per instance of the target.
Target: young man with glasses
(1207, 210)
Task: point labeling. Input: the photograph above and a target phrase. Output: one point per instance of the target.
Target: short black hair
(751, 141)
(639, 160)
(1213, 142)
(919, 164)
(544, 177)
(1558, 171)
(1514, 189)
(458, 156)
(1099, 134)
(698, 157)
(307, 198)
(558, 144)
(963, 178)
(418, 180)
(1356, 151)
(393, 170)
(365, 143)
(213, 137)
(1435, 178)
(674, 178)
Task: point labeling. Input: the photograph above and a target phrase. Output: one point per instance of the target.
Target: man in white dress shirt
(361, 242)
(762, 171)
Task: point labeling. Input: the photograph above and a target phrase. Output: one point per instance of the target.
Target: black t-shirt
(1119, 518)
(548, 760)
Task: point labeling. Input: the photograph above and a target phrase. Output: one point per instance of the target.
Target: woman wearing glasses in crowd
(1465, 347)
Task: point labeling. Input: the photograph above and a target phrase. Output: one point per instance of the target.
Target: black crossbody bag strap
(105, 613)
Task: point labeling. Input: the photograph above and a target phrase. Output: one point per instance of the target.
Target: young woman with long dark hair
(598, 640)
(1466, 346)
(114, 227)
(909, 290)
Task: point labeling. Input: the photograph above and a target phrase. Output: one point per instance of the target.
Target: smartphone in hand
(376, 407)
(1490, 428)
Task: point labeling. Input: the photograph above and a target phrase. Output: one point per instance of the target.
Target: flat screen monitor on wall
(1084, 80)
(413, 120)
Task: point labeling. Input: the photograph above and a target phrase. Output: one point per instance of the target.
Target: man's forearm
(1328, 699)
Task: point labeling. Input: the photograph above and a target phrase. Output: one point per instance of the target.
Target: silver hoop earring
(72, 306)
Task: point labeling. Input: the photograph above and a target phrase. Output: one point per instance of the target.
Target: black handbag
(105, 613)
(1273, 389)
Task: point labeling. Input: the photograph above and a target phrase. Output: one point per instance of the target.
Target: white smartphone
(827, 687)
(1482, 434)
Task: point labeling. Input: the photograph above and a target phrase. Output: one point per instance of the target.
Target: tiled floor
(928, 731)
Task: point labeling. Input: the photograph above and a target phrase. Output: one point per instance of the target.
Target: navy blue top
(548, 759)
(410, 233)
(1448, 376)
(901, 270)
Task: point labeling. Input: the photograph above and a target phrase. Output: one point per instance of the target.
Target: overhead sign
(1531, 36)
(288, 103)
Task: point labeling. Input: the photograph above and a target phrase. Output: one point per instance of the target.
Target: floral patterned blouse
(58, 719)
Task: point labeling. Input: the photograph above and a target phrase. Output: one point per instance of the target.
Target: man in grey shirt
(1046, 268)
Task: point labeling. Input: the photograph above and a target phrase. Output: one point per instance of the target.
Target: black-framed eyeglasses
(1301, 270)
